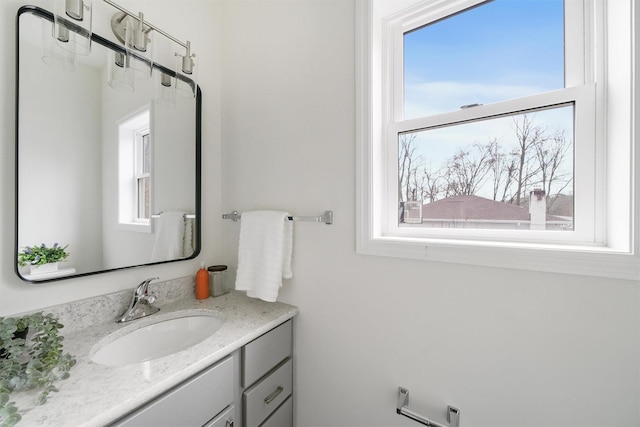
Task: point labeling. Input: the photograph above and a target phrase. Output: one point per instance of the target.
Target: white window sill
(587, 261)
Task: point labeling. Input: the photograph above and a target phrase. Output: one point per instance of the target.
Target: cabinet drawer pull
(273, 395)
(230, 423)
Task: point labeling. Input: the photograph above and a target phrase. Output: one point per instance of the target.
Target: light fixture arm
(187, 62)
(139, 17)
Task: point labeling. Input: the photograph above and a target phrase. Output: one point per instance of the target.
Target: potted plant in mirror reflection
(42, 259)
(31, 359)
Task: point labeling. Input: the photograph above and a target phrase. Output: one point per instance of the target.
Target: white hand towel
(169, 236)
(264, 253)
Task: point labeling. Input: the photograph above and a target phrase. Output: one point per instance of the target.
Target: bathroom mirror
(111, 175)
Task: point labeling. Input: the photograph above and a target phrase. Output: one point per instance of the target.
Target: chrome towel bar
(453, 414)
(187, 216)
(326, 217)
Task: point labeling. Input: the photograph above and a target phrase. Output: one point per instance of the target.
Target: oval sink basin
(157, 340)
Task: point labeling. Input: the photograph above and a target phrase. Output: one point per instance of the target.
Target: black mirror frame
(197, 233)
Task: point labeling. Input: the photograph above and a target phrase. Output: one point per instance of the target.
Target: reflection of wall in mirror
(59, 149)
(173, 167)
(174, 156)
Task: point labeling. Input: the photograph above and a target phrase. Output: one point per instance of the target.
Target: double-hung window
(499, 133)
(135, 171)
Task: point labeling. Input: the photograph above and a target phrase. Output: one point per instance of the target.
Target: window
(488, 126)
(143, 174)
(484, 174)
(483, 124)
(135, 171)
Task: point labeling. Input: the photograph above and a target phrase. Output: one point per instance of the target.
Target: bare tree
(536, 158)
(408, 160)
(550, 154)
(528, 136)
(467, 170)
(502, 169)
(416, 181)
(431, 185)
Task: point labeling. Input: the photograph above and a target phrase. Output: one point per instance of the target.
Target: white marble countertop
(95, 395)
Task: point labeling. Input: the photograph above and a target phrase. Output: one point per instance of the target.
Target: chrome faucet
(141, 303)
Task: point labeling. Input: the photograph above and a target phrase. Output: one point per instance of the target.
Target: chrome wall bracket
(118, 26)
(453, 414)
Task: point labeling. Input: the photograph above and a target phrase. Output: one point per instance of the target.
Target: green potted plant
(30, 361)
(42, 258)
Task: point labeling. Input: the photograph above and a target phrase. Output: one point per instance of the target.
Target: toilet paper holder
(453, 414)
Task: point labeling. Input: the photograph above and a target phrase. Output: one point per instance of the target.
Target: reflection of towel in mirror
(169, 236)
(187, 248)
(264, 253)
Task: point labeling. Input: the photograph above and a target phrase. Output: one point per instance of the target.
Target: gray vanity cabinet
(193, 403)
(267, 377)
(261, 372)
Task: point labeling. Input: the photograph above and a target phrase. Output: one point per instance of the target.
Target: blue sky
(498, 50)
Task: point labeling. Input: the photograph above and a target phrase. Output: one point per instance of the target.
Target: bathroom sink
(156, 340)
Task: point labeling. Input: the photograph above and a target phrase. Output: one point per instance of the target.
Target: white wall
(199, 23)
(171, 152)
(509, 348)
(63, 174)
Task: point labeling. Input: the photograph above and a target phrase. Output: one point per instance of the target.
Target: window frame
(614, 251)
(140, 175)
(584, 199)
(130, 130)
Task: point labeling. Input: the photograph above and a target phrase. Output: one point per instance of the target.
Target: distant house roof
(476, 208)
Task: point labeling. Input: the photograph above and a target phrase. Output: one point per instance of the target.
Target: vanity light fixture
(62, 34)
(75, 9)
(132, 32)
(165, 89)
(52, 54)
(72, 32)
(165, 80)
(141, 40)
(72, 25)
(121, 76)
(122, 66)
(186, 87)
(140, 32)
(187, 59)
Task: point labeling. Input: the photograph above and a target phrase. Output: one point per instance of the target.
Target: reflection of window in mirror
(134, 171)
(143, 174)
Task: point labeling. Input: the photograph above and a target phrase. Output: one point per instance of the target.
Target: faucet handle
(143, 287)
(140, 303)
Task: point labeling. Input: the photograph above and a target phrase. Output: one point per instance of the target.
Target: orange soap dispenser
(202, 283)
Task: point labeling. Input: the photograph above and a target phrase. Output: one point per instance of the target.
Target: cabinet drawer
(265, 396)
(225, 419)
(265, 352)
(191, 403)
(283, 417)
